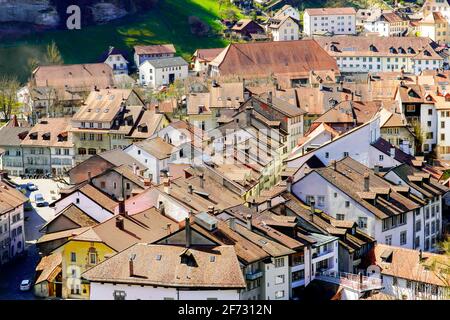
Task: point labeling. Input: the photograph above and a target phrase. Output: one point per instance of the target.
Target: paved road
(23, 268)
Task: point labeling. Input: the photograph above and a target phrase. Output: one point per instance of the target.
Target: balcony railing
(253, 275)
(350, 280)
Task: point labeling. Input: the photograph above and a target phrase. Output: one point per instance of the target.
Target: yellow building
(435, 26)
(91, 247)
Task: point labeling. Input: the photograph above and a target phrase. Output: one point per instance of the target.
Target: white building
(388, 24)
(288, 10)
(283, 28)
(89, 199)
(12, 228)
(406, 274)
(362, 143)
(154, 154)
(159, 72)
(348, 190)
(428, 220)
(375, 54)
(116, 60)
(159, 272)
(329, 20)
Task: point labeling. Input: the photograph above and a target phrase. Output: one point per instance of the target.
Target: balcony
(351, 281)
(253, 275)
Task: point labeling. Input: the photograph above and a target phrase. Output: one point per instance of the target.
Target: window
(320, 201)
(388, 240)
(418, 226)
(279, 262)
(308, 199)
(381, 157)
(340, 216)
(347, 204)
(362, 222)
(327, 155)
(430, 112)
(128, 186)
(92, 151)
(345, 154)
(402, 238)
(92, 258)
(279, 279)
(427, 229)
(402, 219)
(394, 281)
(298, 275)
(73, 257)
(279, 294)
(417, 242)
(119, 295)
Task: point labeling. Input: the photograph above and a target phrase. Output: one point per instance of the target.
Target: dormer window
(333, 48)
(427, 53)
(34, 136)
(411, 50)
(401, 50)
(46, 136)
(392, 50)
(373, 48)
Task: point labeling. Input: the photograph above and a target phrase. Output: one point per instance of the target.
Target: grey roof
(168, 62)
(119, 157)
(9, 136)
(321, 238)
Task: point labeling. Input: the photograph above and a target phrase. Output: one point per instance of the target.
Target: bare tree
(53, 55)
(8, 96)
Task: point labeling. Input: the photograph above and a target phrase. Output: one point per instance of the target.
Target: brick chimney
(131, 264)
(121, 206)
(248, 219)
(202, 180)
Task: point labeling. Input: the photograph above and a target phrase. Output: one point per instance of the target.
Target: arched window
(92, 151)
(81, 151)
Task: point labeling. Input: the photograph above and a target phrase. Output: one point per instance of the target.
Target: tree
(53, 55)
(32, 64)
(8, 96)
(419, 135)
(198, 27)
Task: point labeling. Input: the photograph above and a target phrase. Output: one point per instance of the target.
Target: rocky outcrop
(105, 12)
(52, 13)
(39, 12)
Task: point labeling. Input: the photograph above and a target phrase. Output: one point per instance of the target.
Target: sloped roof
(155, 49)
(281, 58)
(161, 265)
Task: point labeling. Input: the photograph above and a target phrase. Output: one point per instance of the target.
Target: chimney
(333, 164)
(283, 208)
(134, 168)
(269, 97)
(166, 184)
(376, 169)
(366, 182)
(148, 182)
(211, 210)
(420, 255)
(202, 180)
(341, 86)
(392, 152)
(188, 232)
(156, 108)
(120, 222)
(248, 219)
(121, 206)
(289, 184)
(162, 208)
(190, 188)
(89, 177)
(268, 203)
(232, 222)
(353, 96)
(312, 205)
(248, 115)
(131, 264)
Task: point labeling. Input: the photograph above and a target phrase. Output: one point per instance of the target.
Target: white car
(31, 186)
(25, 285)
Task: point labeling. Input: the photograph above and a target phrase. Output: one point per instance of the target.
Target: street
(23, 267)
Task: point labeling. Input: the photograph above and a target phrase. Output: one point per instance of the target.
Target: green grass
(167, 23)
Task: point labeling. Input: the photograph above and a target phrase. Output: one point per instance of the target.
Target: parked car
(25, 285)
(39, 200)
(32, 187)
